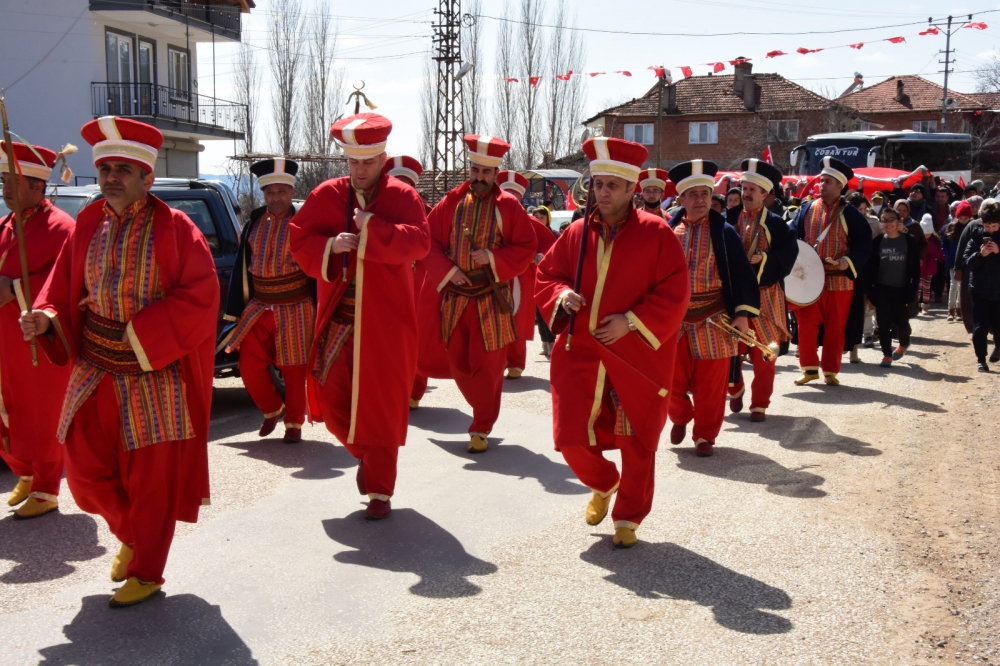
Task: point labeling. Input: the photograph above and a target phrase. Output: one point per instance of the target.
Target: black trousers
(890, 312)
(543, 328)
(985, 315)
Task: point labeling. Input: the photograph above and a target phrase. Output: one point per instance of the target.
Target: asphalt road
(761, 554)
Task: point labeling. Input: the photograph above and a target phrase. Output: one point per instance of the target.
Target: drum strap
(834, 214)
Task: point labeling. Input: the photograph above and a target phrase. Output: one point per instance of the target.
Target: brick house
(720, 118)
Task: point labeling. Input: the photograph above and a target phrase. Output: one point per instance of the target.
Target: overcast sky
(386, 42)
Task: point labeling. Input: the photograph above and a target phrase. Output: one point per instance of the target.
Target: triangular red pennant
(659, 71)
(804, 51)
(717, 66)
(896, 40)
(686, 71)
(623, 71)
(857, 46)
(593, 74)
(565, 77)
(775, 54)
(930, 31)
(511, 80)
(977, 26)
(533, 80)
(739, 60)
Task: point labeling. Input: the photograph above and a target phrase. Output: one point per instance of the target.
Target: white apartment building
(64, 62)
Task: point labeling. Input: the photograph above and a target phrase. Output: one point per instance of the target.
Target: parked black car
(211, 205)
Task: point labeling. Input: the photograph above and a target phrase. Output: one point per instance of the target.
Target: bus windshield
(936, 156)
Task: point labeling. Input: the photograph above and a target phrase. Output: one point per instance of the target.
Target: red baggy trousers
(46, 474)
(477, 372)
(517, 354)
(831, 311)
(706, 380)
(635, 483)
(134, 491)
(379, 458)
(257, 352)
(762, 385)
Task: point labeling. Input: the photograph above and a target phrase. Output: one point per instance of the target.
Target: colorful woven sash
(480, 285)
(282, 290)
(344, 313)
(704, 305)
(103, 348)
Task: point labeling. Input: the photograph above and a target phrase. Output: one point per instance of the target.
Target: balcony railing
(219, 16)
(145, 100)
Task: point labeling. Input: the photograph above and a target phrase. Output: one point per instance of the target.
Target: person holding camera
(982, 260)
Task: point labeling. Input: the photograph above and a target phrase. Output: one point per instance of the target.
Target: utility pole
(449, 126)
(661, 79)
(949, 27)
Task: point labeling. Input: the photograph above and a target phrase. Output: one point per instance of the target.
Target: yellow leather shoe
(21, 491)
(35, 507)
(625, 537)
(477, 444)
(514, 373)
(133, 592)
(119, 568)
(414, 403)
(831, 379)
(597, 507)
(807, 377)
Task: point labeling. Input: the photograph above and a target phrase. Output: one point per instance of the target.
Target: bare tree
(428, 108)
(472, 84)
(505, 111)
(323, 97)
(564, 96)
(246, 79)
(526, 147)
(284, 40)
(988, 76)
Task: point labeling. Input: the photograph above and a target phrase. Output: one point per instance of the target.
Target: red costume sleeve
(546, 239)
(169, 329)
(555, 276)
(60, 345)
(313, 228)
(520, 241)
(657, 316)
(403, 241)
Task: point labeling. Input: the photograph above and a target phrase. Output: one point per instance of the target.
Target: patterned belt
(480, 285)
(703, 305)
(344, 313)
(103, 347)
(282, 290)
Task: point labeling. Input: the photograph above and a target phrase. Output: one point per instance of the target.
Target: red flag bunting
(686, 71)
(511, 80)
(896, 40)
(739, 60)
(593, 74)
(659, 71)
(623, 71)
(857, 46)
(775, 54)
(961, 182)
(767, 155)
(565, 77)
(716, 66)
(977, 26)
(930, 31)
(534, 81)
(804, 51)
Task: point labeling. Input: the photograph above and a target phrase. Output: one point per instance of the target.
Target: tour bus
(948, 156)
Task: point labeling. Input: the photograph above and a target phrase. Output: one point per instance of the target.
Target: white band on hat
(361, 152)
(485, 160)
(512, 186)
(653, 182)
(695, 180)
(830, 171)
(109, 149)
(629, 172)
(276, 177)
(758, 180)
(29, 169)
(405, 172)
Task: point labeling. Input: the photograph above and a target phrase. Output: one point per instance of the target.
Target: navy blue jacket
(782, 250)
(739, 282)
(984, 272)
(859, 235)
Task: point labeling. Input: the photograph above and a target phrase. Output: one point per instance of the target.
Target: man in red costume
(30, 396)
(132, 303)
(772, 251)
(722, 284)
(841, 235)
(481, 239)
(524, 284)
(271, 300)
(652, 184)
(609, 388)
(364, 356)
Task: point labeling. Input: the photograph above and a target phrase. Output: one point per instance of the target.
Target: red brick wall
(740, 136)
(904, 121)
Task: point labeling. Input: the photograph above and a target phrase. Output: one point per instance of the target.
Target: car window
(197, 210)
(69, 205)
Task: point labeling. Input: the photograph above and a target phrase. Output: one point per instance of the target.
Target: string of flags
(717, 67)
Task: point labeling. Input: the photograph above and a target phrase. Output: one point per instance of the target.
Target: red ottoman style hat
(487, 151)
(615, 157)
(653, 178)
(363, 135)
(405, 166)
(513, 181)
(123, 140)
(31, 161)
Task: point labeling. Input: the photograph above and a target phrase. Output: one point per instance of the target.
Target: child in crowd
(891, 277)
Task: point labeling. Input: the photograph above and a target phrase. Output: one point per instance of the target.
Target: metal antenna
(449, 125)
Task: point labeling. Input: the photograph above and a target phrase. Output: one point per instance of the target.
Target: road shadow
(929, 342)
(805, 433)
(42, 548)
(668, 571)
(747, 467)
(856, 395)
(310, 459)
(524, 384)
(904, 369)
(182, 630)
(442, 420)
(409, 542)
(521, 463)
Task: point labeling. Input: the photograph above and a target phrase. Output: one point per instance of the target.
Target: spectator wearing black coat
(891, 278)
(982, 261)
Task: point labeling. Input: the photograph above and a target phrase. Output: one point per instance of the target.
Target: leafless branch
(284, 39)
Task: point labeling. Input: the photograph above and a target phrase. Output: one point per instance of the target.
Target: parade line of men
(362, 294)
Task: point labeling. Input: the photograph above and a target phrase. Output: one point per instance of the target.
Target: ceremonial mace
(18, 219)
(358, 96)
(579, 260)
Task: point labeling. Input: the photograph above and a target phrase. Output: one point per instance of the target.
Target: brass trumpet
(768, 352)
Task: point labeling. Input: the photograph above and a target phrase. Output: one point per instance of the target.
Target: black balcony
(167, 108)
(221, 19)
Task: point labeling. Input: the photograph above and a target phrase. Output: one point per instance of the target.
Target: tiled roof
(714, 94)
(923, 95)
(989, 100)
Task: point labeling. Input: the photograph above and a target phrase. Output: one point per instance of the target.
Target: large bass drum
(804, 284)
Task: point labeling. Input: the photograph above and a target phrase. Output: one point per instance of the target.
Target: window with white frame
(640, 133)
(925, 126)
(703, 132)
(782, 130)
(178, 72)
